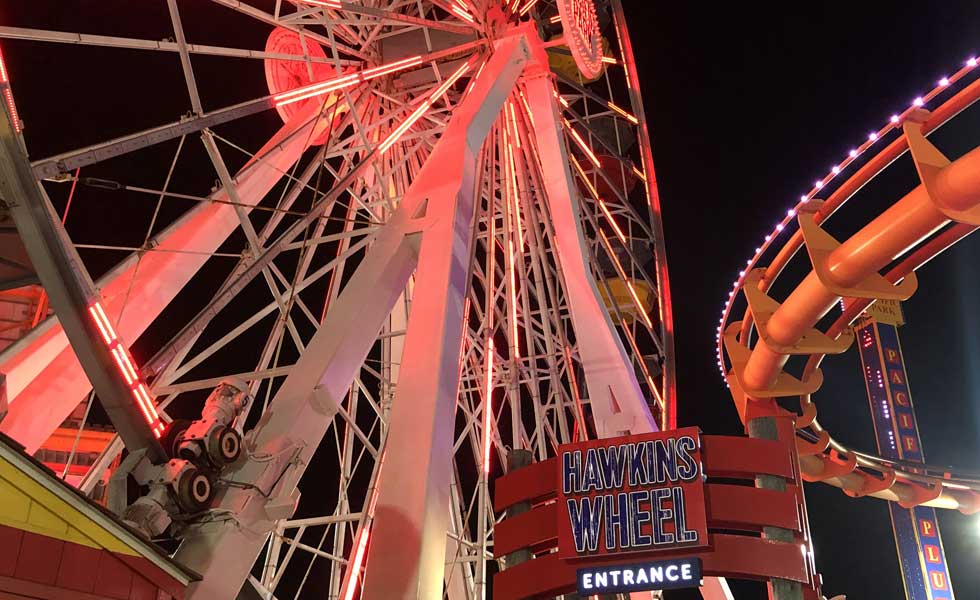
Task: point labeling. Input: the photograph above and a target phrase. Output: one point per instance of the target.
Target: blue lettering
(571, 471)
(666, 460)
(687, 468)
(592, 478)
(683, 533)
(637, 454)
(617, 517)
(610, 459)
(662, 514)
(585, 516)
(638, 517)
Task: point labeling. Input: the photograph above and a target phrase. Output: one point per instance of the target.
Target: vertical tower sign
(917, 538)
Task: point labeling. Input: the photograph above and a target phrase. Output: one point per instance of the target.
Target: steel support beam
(42, 369)
(617, 403)
(71, 293)
(431, 228)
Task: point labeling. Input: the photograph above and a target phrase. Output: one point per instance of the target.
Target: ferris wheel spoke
(264, 17)
(124, 43)
(37, 365)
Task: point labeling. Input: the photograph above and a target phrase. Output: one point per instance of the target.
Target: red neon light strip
(463, 14)
(105, 320)
(625, 114)
(327, 3)
(527, 107)
(122, 369)
(528, 7)
(581, 144)
(488, 409)
(102, 329)
(361, 546)
(629, 284)
(391, 68)
(125, 365)
(331, 85)
(513, 298)
(585, 178)
(8, 95)
(517, 206)
(476, 77)
(356, 563)
(513, 122)
(612, 221)
(423, 108)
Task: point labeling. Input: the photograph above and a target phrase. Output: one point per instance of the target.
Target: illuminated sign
(640, 493)
(662, 575)
(581, 27)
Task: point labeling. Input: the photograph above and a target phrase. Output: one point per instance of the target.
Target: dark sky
(747, 107)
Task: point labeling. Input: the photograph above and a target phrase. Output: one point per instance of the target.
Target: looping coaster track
(877, 262)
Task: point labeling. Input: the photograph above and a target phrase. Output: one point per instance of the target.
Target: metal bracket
(871, 484)
(929, 161)
(813, 341)
(834, 465)
(806, 448)
(820, 244)
(922, 494)
(785, 385)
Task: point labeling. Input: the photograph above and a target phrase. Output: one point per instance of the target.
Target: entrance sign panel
(639, 577)
(641, 493)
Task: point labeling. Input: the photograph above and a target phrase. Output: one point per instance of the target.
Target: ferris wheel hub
(283, 75)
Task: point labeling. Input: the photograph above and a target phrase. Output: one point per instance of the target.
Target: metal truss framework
(512, 332)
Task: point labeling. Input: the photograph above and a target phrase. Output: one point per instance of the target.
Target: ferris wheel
(408, 243)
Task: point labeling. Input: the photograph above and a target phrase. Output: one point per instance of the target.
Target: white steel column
(432, 227)
(42, 370)
(412, 515)
(617, 402)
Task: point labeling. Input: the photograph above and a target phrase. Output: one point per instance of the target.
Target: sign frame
(647, 477)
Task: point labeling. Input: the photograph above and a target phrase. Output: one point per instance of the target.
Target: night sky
(746, 108)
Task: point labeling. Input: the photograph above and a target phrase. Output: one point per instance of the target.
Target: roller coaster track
(878, 261)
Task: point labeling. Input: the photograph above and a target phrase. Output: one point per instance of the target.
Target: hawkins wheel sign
(642, 493)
